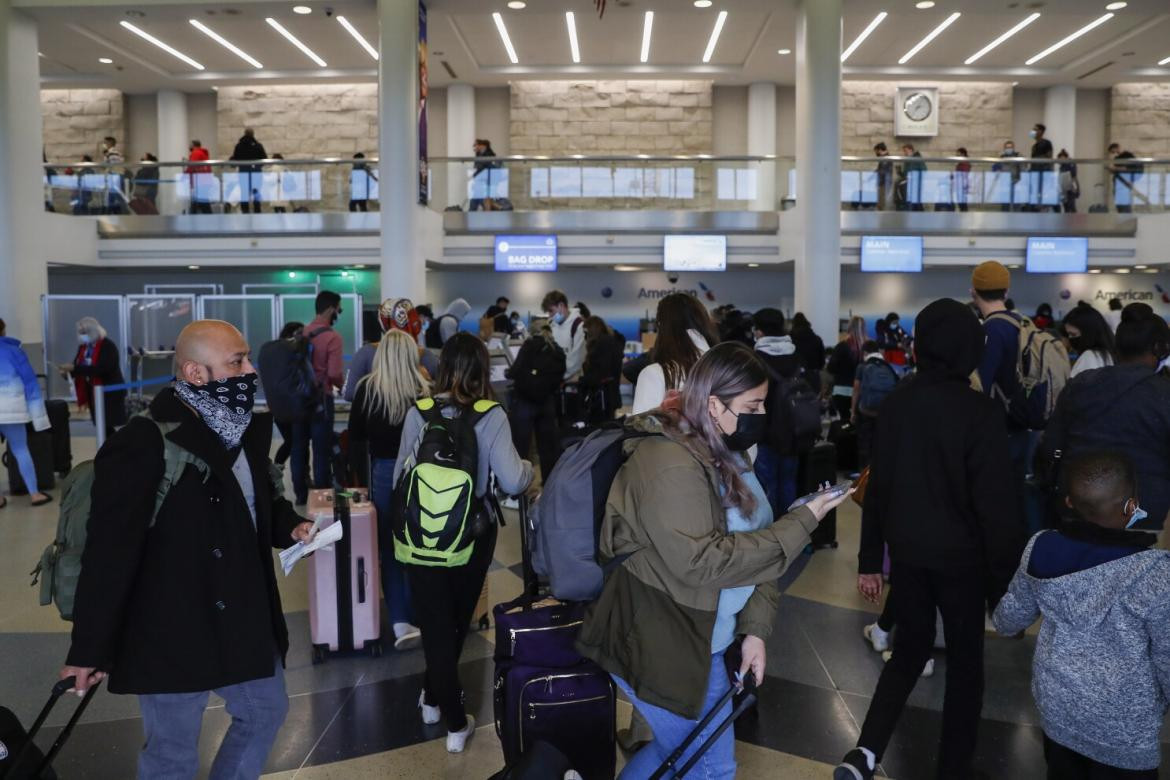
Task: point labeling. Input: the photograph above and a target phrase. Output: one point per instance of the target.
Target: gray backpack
(564, 524)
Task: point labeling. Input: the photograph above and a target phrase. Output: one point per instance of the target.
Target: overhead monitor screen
(891, 254)
(526, 253)
(695, 253)
(1058, 255)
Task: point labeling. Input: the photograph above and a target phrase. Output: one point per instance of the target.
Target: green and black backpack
(438, 514)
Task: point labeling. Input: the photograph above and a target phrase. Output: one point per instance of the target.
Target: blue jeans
(321, 434)
(17, 436)
(172, 722)
(777, 475)
(670, 730)
(395, 588)
(298, 460)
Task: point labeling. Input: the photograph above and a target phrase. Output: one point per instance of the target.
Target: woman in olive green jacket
(703, 558)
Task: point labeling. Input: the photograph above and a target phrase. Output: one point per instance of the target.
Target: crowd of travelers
(976, 428)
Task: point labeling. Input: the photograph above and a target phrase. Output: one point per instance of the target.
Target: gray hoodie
(1101, 674)
(448, 327)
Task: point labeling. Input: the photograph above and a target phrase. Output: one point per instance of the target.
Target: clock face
(917, 106)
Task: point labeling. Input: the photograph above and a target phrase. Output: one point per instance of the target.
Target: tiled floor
(355, 717)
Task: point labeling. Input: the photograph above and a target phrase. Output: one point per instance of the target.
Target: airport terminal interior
(170, 161)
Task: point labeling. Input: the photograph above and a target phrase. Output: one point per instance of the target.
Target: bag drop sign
(526, 253)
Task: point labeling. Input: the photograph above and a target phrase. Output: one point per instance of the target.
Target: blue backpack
(878, 379)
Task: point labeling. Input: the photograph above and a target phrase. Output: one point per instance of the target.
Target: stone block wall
(1139, 118)
(301, 120)
(76, 120)
(977, 115)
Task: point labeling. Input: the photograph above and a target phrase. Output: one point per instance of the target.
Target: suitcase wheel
(320, 653)
(375, 648)
(484, 622)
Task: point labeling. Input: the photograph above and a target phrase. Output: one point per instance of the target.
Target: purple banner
(423, 170)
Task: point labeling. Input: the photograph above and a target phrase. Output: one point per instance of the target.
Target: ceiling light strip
(860, 39)
(1065, 41)
(499, 19)
(224, 42)
(171, 50)
(719, 21)
(574, 49)
(357, 36)
(929, 37)
(295, 41)
(979, 54)
(1164, 62)
(647, 28)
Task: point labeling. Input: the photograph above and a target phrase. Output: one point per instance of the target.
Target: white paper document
(324, 538)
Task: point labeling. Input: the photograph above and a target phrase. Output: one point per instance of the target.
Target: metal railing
(617, 182)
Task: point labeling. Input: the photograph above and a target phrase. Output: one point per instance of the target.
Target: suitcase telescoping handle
(59, 690)
(672, 759)
(531, 581)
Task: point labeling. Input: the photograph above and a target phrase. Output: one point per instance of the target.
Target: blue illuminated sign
(526, 253)
(891, 254)
(1058, 255)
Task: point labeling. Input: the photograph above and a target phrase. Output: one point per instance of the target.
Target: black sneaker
(854, 766)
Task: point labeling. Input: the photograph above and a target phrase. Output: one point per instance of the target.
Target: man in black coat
(942, 496)
(175, 605)
(248, 148)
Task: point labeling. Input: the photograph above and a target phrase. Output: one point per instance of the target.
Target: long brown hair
(724, 371)
(464, 372)
(673, 348)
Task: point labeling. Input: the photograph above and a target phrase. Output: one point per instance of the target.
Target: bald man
(179, 599)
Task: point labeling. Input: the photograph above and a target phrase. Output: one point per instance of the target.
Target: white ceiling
(463, 36)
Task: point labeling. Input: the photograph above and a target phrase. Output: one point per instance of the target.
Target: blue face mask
(1139, 514)
(558, 318)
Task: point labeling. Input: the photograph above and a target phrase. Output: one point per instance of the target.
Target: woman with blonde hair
(380, 403)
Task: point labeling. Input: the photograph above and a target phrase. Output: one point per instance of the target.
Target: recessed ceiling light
(1065, 41)
(40, 54)
(1116, 6)
(1015, 83)
(924, 4)
(1150, 271)
(784, 51)
(753, 265)
(1160, 62)
(105, 61)
(192, 268)
(357, 36)
(1094, 270)
(296, 42)
(977, 55)
(626, 268)
(517, 5)
(1141, 267)
(359, 265)
(302, 9)
(1121, 271)
(224, 42)
(864, 34)
(171, 50)
(571, 23)
(499, 19)
(647, 27)
(930, 36)
(714, 39)
(1014, 267)
(703, 3)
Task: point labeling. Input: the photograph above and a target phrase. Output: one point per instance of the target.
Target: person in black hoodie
(942, 496)
(1125, 407)
(810, 348)
(248, 148)
(777, 458)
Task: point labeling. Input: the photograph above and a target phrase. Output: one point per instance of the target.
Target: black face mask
(333, 319)
(750, 430)
(1078, 345)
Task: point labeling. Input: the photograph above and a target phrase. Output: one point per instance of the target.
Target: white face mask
(83, 338)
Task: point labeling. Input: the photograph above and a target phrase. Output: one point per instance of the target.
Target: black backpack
(286, 371)
(794, 414)
(539, 369)
(434, 337)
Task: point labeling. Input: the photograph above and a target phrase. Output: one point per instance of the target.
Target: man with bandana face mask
(174, 605)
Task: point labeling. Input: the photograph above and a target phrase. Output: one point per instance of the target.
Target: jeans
(1067, 764)
(670, 730)
(298, 437)
(959, 596)
(526, 418)
(777, 475)
(395, 588)
(172, 722)
(321, 434)
(17, 436)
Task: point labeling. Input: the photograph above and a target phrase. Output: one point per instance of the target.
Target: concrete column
(24, 275)
(761, 141)
(403, 263)
(1060, 117)
(818, 163)
(173, 144)
(460, 137)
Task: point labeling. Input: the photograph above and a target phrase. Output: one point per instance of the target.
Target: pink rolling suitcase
(344, 582)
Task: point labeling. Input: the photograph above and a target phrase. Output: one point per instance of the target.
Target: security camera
(672, 278)
(328, 11)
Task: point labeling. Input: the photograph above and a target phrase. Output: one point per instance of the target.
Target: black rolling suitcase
(818, 466)
(62, 443)
(844, 435)
(40, 446)
(20, 758)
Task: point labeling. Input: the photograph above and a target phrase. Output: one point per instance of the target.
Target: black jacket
(248, 148)
(1124, 408)
(941, 491)
(811, 351)
(107, 371)
(780, 367)
(843, 364)
(190, 604)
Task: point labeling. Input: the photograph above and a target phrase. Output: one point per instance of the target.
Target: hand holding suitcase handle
(70, 677)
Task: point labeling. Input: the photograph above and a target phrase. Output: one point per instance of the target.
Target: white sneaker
(510, 502)
(457, 740)
(927, 670)
(573, 774)
(406, 636)
(430, 715)
(880, 640)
